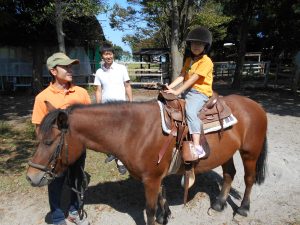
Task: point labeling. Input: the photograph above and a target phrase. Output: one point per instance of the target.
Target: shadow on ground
(127, 196)
(275, 101)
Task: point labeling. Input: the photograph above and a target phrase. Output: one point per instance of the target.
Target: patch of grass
(90, 89)
(6, 131)
(16, 148)
(100, 171)
(29, 132)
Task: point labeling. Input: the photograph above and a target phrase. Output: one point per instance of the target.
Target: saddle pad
(208, 127)
(215, 126)
(163, 122)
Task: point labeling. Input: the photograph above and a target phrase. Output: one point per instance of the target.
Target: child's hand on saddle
(171, 91)
(163, 86)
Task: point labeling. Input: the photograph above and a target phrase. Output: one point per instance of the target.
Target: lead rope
(80, 189)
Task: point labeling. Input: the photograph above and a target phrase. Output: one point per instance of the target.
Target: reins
(80, 188)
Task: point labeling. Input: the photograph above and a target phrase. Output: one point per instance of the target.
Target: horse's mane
(50, 118)
(48, 121)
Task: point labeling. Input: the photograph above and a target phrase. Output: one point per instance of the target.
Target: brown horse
(132, 132)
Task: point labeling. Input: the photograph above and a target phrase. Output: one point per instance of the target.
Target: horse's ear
(62, 120)
(49, 106)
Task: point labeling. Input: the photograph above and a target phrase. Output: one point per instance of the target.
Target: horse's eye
(48, 142)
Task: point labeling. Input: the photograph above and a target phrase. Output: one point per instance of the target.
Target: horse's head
(52, 156)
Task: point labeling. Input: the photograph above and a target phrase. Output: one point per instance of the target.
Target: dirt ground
(121, 201)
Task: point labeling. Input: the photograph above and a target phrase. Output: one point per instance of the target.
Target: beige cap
(61, 59)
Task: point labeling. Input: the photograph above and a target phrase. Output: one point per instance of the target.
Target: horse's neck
(106, 128)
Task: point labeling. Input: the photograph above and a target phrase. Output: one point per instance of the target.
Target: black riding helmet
(200, 34)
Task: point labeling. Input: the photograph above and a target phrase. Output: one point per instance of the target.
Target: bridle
(50, 174)
(50, 167)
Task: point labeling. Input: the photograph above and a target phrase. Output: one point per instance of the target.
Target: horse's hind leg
(151, 194)
(228, 175)
(249, 178)
(163, 216)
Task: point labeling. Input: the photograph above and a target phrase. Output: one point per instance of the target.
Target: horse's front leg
(228, 175)
(152, 187)
(163, 216)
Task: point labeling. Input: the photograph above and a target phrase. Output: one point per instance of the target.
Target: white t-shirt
(112, 81)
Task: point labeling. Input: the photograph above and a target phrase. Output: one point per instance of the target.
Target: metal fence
(14, 75)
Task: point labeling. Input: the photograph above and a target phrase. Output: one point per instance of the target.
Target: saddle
(214, 110)
(212, 113)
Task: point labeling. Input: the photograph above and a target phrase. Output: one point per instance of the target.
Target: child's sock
(200, 151)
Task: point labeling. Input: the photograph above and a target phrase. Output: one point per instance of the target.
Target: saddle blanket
(208, 127)
(215, 126)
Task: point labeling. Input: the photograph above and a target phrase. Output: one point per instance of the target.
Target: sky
(113, 35)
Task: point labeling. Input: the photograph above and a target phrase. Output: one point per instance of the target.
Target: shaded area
(16, 105)
(127, 196)
(276, 101)
(15, 149)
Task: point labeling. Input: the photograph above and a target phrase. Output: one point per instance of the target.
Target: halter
(50, 167)
(79, 189)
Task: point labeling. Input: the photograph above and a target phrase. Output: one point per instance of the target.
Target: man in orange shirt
(61, 93)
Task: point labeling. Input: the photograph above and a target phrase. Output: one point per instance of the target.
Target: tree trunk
(237, 78)
(176, 56)
(59, 27)
(37, 68)
(243, 34)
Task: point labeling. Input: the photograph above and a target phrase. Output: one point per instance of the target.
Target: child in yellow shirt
(197, 78)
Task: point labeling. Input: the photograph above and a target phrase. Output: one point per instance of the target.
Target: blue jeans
(194, 102)
(55, 189)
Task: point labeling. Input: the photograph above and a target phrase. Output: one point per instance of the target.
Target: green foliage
(34, 21)
(212, 17)
(158, 14)
(70, 9)
(144, 22)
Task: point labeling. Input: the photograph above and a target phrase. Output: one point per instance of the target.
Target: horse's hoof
(218, 206)
(163, 218)
(160, 219)
(242, 211)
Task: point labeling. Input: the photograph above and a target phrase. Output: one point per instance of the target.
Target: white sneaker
(74, 218)
(200, 151)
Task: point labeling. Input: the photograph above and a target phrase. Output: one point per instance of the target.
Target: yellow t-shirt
(59, 99)
(202, 67)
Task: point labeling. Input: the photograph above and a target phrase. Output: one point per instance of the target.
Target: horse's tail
(261, 167)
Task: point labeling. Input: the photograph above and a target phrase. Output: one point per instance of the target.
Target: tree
(58, 11)
(31, 21)
(166, 21)
(269, 25)
(244, 12)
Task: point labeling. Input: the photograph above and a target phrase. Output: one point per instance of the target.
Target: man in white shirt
(113, 84)
(112, 80)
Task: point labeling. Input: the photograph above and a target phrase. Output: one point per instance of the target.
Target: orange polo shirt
(59, 99)
(202, 67)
